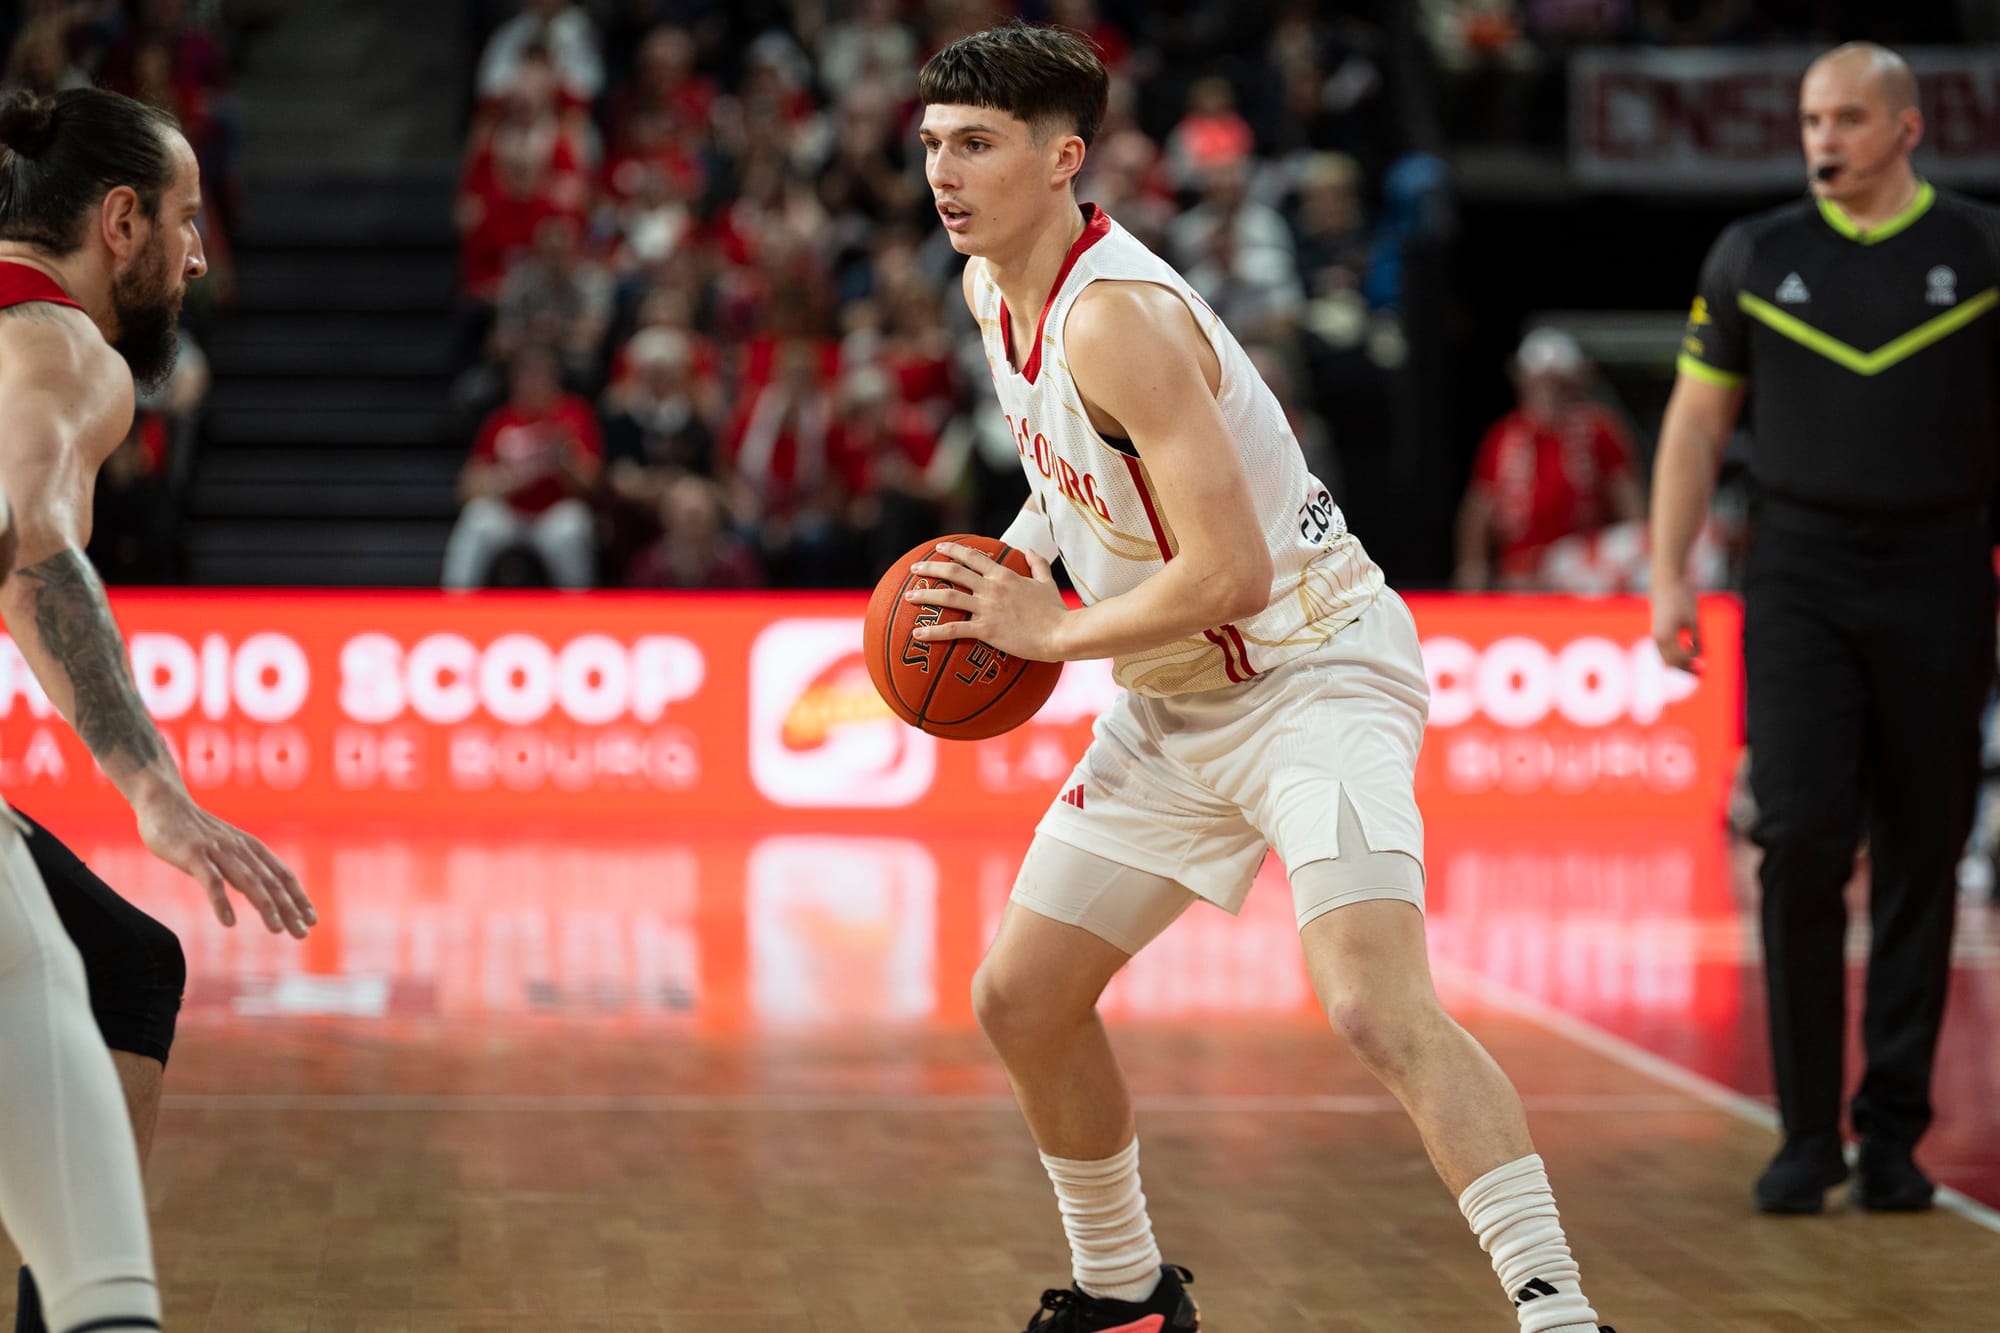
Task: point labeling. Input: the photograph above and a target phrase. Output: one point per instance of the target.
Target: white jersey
(1103, 515)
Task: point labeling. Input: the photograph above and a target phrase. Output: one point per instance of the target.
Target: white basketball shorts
(1194, 788)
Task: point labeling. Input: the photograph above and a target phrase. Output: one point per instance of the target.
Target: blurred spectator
(655, 432)
(869, 48)
(781, 482)
(525, 172)
(1125, 172)
(1333, 238)
(535, 457)
(178, 63)
(555, 297)
(894, 476)
(40, 59)
(1486, 67)
(652, 183)
(665, 84)
(1556, 466)
(1210, 136)
(696, 549)
(1083, 16)
(1238, 254)
(654, 422)
(555, 30)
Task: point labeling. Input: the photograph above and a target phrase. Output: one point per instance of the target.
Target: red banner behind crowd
(678, 709)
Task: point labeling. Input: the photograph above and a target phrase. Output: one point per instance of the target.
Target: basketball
(960, 689)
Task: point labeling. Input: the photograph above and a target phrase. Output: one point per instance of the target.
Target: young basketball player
(1275, 696)
(98, 196)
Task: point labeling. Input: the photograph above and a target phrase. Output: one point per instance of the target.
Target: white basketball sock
(1104, 1214)
(1513, 1211)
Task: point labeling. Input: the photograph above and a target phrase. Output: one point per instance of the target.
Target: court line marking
(1637, 1058)
(599, 1103)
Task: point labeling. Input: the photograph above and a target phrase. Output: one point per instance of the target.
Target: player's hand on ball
(221, 857)
(1016, 614)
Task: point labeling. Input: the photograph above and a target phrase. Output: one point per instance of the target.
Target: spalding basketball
(960, 689)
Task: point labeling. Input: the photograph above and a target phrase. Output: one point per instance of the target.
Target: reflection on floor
(1640, 931)
(493, 1027)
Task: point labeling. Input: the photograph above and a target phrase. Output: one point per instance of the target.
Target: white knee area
(1013, 1012)
(565, 536)
(70, 1193)
(485, 527)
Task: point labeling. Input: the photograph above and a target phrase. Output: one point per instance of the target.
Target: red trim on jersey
(20, 284)
(1228, 663)
(1096, 226)
(1133, 466)
(1242, 653)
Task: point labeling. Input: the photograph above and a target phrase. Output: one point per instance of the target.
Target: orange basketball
(959, 689)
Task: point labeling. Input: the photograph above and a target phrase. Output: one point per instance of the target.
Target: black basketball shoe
(1168, 1310)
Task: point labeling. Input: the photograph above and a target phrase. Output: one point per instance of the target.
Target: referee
(1863, 317)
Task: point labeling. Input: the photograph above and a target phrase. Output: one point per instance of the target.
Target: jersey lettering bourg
(1080, 488)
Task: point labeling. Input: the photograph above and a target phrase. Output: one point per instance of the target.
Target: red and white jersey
(1103, 513)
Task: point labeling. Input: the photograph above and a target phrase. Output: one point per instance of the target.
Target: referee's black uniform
(1873, 360)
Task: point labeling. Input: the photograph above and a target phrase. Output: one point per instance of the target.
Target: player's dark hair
(60, 155)
(1048, 77)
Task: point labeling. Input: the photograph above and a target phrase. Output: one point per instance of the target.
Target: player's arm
(1137, 356)
(56, 612)
(53, 603)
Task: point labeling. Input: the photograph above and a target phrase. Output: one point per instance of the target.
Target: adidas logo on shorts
(1074, 796)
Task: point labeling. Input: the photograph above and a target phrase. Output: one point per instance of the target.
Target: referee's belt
(1825, 521)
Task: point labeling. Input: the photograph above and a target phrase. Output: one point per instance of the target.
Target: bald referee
(1862, 319)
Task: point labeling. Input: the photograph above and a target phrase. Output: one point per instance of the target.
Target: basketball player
(98, 196)
(1275, 696)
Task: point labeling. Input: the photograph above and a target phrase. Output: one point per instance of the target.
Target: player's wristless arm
(1176, 603)
(60, 620)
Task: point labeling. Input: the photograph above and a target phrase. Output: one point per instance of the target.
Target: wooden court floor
(511, 1089)
(565, 1175)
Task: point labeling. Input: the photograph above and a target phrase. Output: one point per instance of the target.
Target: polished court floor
(729, 1080)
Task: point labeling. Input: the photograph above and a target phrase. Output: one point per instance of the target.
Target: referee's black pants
(1868, 648)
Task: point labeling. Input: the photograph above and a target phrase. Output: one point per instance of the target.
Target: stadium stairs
(323, 458)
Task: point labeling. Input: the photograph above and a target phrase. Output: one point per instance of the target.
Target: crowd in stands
(177, 55)
(713, 332)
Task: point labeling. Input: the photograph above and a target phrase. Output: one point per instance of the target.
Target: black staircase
(324, 459)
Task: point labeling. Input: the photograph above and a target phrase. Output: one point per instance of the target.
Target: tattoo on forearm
(74, 623)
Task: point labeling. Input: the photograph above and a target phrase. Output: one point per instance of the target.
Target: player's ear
(119, 219)
(1069, 151)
